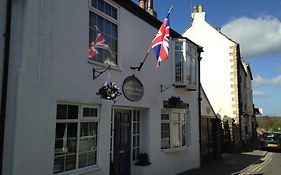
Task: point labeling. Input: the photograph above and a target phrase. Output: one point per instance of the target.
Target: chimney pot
(195, 9)
(142, 4)
(200, 8)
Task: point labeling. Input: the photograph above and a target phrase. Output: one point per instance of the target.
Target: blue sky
(255, 25)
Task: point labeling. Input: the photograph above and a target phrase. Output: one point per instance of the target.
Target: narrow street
(254, 162)
(233, 164)
(270, 164)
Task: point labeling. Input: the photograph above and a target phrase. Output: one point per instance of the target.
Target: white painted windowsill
(170, 150)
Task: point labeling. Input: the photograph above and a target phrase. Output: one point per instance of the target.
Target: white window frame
(136, 119)
(78, 121)
(172, 112)
(112, 20)
(188, 50)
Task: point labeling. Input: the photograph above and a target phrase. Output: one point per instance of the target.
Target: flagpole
(149, 49)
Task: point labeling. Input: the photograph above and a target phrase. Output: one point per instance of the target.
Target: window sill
(81, 170)
(170, 150)
(113, 67)
(189, 87)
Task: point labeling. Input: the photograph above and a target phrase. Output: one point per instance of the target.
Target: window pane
(93, 129)
(88, 144)
(165, 135)
(92, 158)
(114, 13)
(164, 116)
(61, 111)
(84, 129)
(183, 134)
(94, 3)
(107, 27)
(114, 30)
(72, 112)
(188, 68)
(193, 70)
(109, 31)
(176, 135)
(179, 66)
(72, 130)
(90, 112)
(82, 160)
(107, 9)
(101, 5)
(59, 164)
(70, 162)
(65, 147)
(178, 46)
(93, 20)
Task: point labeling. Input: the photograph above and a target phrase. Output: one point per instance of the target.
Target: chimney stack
(142, 4)
(198, 13)
(150, 8)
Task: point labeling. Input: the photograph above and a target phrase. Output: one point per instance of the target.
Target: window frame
(80, 119)
(171, 121)
(188, 50)
(111, 19)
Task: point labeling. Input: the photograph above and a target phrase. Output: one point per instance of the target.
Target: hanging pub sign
(132, 88)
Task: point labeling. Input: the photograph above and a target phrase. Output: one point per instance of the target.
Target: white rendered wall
(59, 71)
(215, 64)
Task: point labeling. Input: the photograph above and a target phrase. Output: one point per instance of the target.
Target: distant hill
(269, 123)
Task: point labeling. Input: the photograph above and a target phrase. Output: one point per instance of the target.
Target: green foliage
(269, 123)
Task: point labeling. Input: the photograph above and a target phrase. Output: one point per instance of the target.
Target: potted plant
(143, 160)
(109, 91)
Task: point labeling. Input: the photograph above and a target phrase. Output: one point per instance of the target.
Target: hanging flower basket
(109, 91)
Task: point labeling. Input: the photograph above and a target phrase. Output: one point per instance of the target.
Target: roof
(147, 17)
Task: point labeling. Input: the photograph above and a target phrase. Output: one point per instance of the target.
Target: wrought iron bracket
(166, 87)
(98, 71)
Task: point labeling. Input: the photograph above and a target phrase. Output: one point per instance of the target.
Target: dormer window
(185, 56)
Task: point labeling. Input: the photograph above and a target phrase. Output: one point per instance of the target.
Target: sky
(255, 25)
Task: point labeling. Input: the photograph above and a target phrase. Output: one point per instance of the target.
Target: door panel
(122, 142)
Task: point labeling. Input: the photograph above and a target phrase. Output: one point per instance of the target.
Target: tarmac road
(232, 164)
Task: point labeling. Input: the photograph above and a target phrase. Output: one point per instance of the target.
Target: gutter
(199, 104)
(7, 36)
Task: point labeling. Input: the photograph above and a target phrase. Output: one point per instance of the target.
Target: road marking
(256, 167)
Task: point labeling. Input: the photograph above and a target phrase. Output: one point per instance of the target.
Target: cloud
(259, 94)
(260, 81)
(259, 36)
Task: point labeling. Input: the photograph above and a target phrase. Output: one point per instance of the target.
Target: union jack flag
(97, 46)
(160, 44)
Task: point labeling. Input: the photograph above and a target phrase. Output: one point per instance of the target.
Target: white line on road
(256, 167)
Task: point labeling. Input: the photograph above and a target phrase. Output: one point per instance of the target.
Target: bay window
(185, 63)
(173, 128)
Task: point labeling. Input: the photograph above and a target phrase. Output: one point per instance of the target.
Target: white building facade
(219, 73)
(55, 121)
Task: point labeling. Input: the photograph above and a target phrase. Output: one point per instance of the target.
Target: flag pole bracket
(166, 87)
(99, 71)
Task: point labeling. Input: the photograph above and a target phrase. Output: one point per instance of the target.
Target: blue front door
(122, 142)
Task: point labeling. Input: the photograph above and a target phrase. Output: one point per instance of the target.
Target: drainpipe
(7, 36)
(199, 103)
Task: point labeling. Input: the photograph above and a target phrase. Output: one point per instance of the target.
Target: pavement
(231, 163)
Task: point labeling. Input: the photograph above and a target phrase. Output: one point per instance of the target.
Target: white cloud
(259, 94)
(256, 36)
(259, 81)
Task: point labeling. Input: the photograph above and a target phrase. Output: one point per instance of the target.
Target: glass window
(68, 140)
(173, 131)
(106, 25)
(136, 134)
(185, 63)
